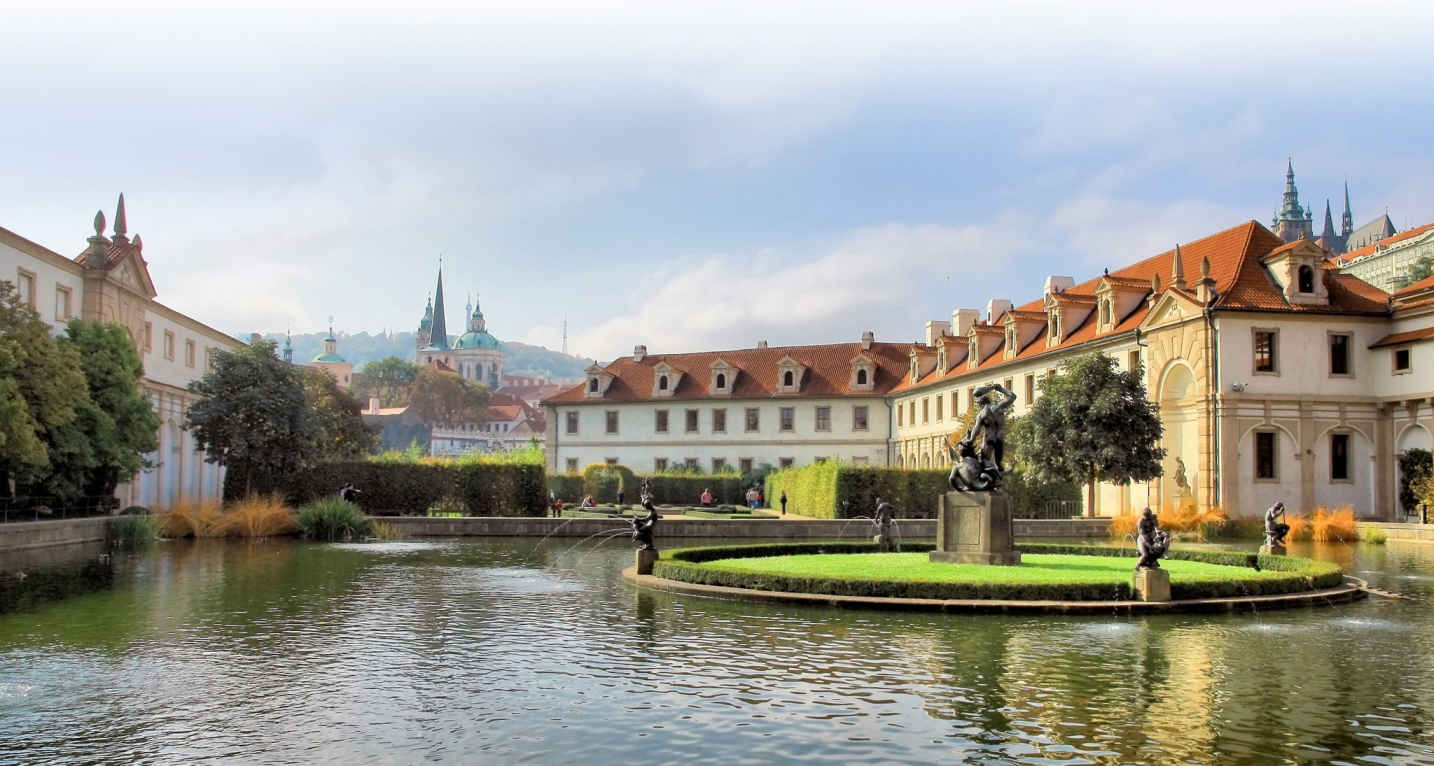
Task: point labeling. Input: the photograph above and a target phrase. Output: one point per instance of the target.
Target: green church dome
(331, 358)
(477, 339)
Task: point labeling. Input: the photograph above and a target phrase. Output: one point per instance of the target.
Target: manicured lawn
(1033, 569)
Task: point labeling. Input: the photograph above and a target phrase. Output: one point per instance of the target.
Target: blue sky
(696, 175)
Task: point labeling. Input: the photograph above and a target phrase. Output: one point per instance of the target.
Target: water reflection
(505, 650)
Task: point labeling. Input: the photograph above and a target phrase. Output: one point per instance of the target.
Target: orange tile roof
(1403, 337)
(1241, 284)
(1423, 284)
(828, 373)
(1369, 249)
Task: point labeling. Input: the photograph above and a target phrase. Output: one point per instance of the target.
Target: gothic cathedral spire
(439, 337)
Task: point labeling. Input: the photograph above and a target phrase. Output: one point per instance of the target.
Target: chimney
(639, 353)
(995, 308)
(1057, 284)
(961, 321)
(867, 338)
(761, 344)
(373, 405)
(935, 331)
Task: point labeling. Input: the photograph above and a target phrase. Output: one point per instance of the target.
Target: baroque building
(329, 360)
(110, 281)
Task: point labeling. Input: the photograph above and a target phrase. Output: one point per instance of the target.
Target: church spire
(121, 228)
(1328, 234)
(439, 336)
(1346, 221)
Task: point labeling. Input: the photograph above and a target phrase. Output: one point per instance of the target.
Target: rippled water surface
(504, 651)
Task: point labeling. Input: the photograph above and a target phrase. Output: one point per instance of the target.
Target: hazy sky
(691, 175)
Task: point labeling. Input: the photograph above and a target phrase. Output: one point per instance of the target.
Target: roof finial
(121, 227)
(1155, 283)
(99, 223)
(1177, 271)
(1205, 267)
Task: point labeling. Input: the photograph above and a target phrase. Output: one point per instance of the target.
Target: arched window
(861, 377)
(592, 385)
(721, 380)
(1105, 312)
(1306, 279)
(787, 378)
(662, 383)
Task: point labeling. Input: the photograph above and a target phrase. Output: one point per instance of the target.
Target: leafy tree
(1421, 268)
(1091, 423)
(441, 397)
(388, 379)
(252, 416)
(1414, 465)
(107, 442)
(342, 432)
(42, 390)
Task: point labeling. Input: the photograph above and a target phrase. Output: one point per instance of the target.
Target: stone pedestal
(975, 528)
(645, 560)
(1272, 550)
(1151, 585)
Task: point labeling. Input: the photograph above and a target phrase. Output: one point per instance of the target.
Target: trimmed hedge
(602, 482)
(835, 491)
(567, 486)
(686, 489)
(387, 488)
(685, 565)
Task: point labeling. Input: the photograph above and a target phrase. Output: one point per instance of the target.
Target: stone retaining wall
(1404, 533)
(25, 535)
(419, 526)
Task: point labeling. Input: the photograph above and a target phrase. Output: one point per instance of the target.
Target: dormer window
(863, 372)
(661, 382)
(941, 359)
(598, 381)
(721, 380)
(861, 377)
(1011, 340)
(1306, 279)
(973, 353)
(1105, 313)
(787, 377)
(665, 380)
(592, 385)
(1053, 328)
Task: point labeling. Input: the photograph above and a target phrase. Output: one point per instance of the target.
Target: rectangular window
(719, 464)
(1133, 362)
(859, 417)
(1266, 359)
(148, 336)
(659, 464)
(189, 353)
(1401, 361)
(1339, 457)
(611, 461)
(754, 419)
(925, 411)
(785, 462)
(25, 285)
(824, 418)
(1339, 343)
(168, 345)
(911, 412)
(572, 465)
(690, 464)
(1009, 384)
(900, 415)
(1265, 455)
(744, 465)
(691, 425)
(955, 403)
(612, 421)
(572, 421)
(660, 423)
(719, 421)
(940, 400)
(788, 418)
(63, 304)
(1030, 389)
(209, 359)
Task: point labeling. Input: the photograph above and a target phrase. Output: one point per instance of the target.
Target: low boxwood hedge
(686, 565)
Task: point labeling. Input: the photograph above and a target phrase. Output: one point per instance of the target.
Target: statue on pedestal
(1153, 541)
(642, 526)
(980, 469)
(1275, 527)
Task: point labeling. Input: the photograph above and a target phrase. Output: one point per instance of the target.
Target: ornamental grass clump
(1335, 526)
(133, 531)
(333, 519)
(259, 516)
(385, 530)
(188, 518)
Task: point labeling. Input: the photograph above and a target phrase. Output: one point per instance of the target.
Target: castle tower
(1292, 222)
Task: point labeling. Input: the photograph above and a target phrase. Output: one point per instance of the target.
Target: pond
(504, 650)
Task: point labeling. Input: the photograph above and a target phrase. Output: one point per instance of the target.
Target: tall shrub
(603, 481)
(1414, 464)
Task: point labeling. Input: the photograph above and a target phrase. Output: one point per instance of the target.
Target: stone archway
(1179, 415)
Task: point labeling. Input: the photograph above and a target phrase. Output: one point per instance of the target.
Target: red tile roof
(1423, 284)
(1353, 255)
(1403, 337)
(828, 373)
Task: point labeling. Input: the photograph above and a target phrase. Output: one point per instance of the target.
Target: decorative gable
(722, 379)
(1065, 313)
(665, 378)
(1021, 327)
(789, 376)
(1116, 298)
(923, 361)
(598, 381)
(863, 374)
(985, 339)
(1298, 268)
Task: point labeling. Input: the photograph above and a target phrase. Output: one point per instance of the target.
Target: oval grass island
(1050, 578)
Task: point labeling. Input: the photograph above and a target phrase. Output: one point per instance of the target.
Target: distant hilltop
(361, 348)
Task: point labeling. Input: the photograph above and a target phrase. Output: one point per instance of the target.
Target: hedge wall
(834, 491)
(567, 486)
(685, 565)
(602, 482)
(412, 488)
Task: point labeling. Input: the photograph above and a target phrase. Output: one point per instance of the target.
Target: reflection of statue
(1153, 541)
(990, 425)
(1180, 481)
(1275, 528)
(967, 473)
(642, 526)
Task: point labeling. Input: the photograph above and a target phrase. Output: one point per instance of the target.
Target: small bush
(332, 519)
(129, 532)
(1335, 526)
(385, 530)
(135, 510)
(1373, 534)
(258, 516)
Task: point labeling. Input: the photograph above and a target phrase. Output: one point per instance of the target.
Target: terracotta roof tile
(1369, 249)
(828, 373)
(1423, 284)
(1404, 337)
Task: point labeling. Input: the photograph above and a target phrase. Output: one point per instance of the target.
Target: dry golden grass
(1125, 524)
(1187, 520)
(259, 516)
(1300, 528)
(1335, 526)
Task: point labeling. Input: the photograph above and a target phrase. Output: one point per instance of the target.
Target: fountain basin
(1051, 578)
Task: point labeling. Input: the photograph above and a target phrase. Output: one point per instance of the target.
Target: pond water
(503, 651)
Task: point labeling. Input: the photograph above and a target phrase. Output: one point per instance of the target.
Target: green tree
(342, 432)
(388, 379)
(42, 390)
(1091, 423)
(1421, 268)
(439, 397)
(107, 442)
(252, 415)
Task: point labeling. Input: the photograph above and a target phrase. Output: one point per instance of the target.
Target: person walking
(707, 496)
